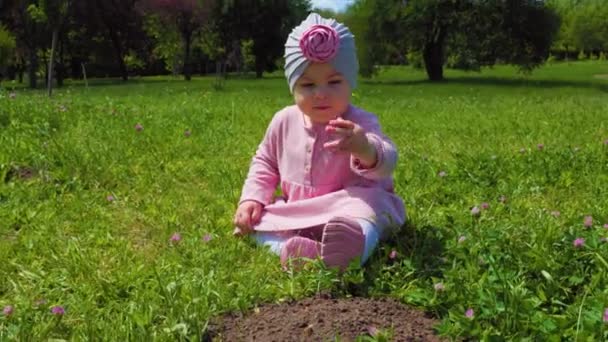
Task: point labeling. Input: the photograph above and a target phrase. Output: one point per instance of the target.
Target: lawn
(116, 203)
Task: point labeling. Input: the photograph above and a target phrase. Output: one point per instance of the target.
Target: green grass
(111, 265)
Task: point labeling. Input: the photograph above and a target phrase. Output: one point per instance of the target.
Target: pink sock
(299, 247)
(343, 241)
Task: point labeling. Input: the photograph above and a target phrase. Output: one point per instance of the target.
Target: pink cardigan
(317, 184)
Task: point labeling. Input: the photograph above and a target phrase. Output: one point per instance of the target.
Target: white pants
(276, 241)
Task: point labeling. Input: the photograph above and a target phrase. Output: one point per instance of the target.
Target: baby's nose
(320, 91)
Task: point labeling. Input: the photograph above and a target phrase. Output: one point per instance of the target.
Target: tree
(564, 39)
(589, 30)
(378, 41)
(584, 25)
(475, 33)
(117, 23)
(53, 13)
(7, 46)
(29, 34)
(7, 49)
(265, 22)
(188, 17)
(268, 33)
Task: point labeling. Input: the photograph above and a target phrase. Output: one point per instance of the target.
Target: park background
(117, 190)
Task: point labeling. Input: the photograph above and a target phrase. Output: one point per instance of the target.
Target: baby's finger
(236, 220)
(242, 229)
(242, 219)
(346, 132)
(247, 221)
(339, 122)
(256, 215)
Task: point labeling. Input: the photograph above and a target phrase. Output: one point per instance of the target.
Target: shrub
(7, 45)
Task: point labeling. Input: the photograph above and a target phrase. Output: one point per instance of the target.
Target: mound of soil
(322, 319)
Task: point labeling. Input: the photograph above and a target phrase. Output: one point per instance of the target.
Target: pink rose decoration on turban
(320, 43)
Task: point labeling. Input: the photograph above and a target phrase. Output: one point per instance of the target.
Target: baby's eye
(335, 81)
(307, 85)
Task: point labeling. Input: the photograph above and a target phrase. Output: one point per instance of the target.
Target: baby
(331, 159)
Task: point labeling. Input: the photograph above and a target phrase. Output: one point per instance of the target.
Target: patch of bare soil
(20, 172)
(323, 318)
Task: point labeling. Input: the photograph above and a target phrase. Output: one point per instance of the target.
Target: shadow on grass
(93, 83)
(421, 248)
(500, 82)
(168, 79)
(108, 82)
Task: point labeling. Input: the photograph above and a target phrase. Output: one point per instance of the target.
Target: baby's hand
(352, 139)
(247, 215)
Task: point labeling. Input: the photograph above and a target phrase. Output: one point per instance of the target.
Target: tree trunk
(59, 75)
(60, 66)
(84, 75)
(187, 41)
(49, 82)
(259, 68)
(219, 78)
(20, 67)
(175, 70)
(32, 68)
(433, 55)
(119, 55)
(102, 6)
(11, 72)
(433, 63)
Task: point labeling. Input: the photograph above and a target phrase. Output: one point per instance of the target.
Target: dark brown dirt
(20, 172)
(323, 319)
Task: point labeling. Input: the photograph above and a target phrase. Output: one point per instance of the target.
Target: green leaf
(36, 13)
(546, 275)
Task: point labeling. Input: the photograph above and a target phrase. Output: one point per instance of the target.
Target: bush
(248, 56)
(133, 62)
(463, 60)
(414, 58)
(7, 46)
(581, 56)
(602, 56)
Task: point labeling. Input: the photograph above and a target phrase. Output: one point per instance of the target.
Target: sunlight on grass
(90, 201)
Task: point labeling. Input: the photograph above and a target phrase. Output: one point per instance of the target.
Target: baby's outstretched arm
(352, 140)
(373, 154)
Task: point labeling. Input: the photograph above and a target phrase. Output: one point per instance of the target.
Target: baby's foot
(299, 247)
(343, 241)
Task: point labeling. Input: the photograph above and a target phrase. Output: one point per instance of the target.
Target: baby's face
(322, 93)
